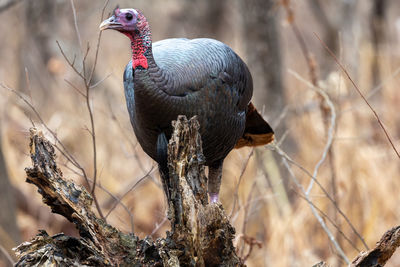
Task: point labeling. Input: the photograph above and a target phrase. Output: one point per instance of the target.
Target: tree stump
(201, 234)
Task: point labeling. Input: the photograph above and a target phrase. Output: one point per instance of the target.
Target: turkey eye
(129, 16)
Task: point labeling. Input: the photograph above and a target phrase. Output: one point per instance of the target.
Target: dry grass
(367, 169)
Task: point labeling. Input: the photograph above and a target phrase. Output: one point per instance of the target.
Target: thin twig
(7, 255)
(330, 220)
(313, 209)
(74, 87)
(236, 194)
(87, 82)
(252, 242)
(128, 138)
(303, 46)
(98, 44)
(332, 158)
(87, 85)
(119, 199)
(28, 84)
(63, 149)
(93, 134)
(87, 98)
(100, 81)
(248, 207)
(158, 226)
(288, 159)
(323, 99)
(373, 91)
(84, 60)
(107, 192)
(76, 24)
(360, 93)
(252, 202)
(71, 64)
(244, 226)
(331, 126)
(122, 204)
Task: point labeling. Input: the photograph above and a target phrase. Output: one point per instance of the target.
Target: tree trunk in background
(262, 43)
(329, 35)
(9, 232)
(263, 54)
(377, 22)
(352, 34)
(41, 24)
(342, 26)
(37, 45)
(207, 15)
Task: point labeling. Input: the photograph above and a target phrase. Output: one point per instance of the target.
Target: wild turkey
(202, 77)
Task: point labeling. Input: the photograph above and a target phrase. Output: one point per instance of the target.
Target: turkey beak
(110, 23)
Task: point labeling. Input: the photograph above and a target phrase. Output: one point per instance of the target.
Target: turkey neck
(151, 101)
(141, 43)
(144, 67)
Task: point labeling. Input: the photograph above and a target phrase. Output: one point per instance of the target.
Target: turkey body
(202, 77)
(199, 77)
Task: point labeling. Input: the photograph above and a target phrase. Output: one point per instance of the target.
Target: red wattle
(140, 60)
(140, 43)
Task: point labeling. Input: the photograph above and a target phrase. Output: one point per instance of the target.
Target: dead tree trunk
(201, 234)
(378, 256)
(382, 252)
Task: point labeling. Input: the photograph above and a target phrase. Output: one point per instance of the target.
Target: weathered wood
(99, 243)
(201, 234)
(382, 252)
(202, 228)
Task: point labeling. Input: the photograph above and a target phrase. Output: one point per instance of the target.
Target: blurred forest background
(276, 225)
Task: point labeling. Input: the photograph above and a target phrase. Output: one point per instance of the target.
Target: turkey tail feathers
(257, 131)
